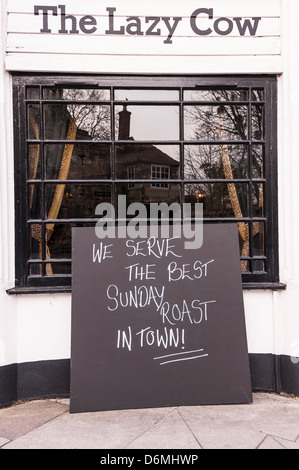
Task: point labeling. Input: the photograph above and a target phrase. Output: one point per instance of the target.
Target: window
(83, 141)
(160, 172)
(131, 175)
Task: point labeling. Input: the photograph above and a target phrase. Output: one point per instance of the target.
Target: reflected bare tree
(228, 123)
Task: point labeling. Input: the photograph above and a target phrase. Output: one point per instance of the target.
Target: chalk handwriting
(101, 253)
(140, 272)
(137, 297)
(185, 271)
(180, 356)
(151, 247)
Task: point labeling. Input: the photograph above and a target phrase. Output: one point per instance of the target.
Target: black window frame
(21, 81)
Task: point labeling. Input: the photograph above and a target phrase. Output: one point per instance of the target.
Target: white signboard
(116, 36)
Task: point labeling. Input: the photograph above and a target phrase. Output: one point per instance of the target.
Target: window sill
(39, 290)
(263, 286)
(68, 289)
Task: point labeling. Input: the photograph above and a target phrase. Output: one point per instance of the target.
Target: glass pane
(257, 122)
(33, 122)
(34, 201)
(76, 122)
(76, 94)
(258, 199)
(258, 239)
(53, 269)
(219, 199)
(59, 240)
(146, 95)
(86, 161)
(147, 122)
(134, 161)
(215, 161)
(34, 161)
(215, 122)
(149, 193)
(33, 93)
(35, 251)
(215, 95)
(257, 95)
(35, 269)
(258, 161)
(72, 201)
(258, 266)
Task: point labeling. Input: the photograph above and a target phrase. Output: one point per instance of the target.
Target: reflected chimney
(124, 124)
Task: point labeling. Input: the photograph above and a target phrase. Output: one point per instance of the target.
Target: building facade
(170, 102)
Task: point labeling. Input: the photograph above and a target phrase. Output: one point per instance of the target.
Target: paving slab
(95, 430)
(19, 419)
(270, 422)
(171, 432)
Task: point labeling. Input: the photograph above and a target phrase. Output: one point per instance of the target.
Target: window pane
(146, 95)
(258, 231)
(258, 161)
(76, 94)
(215, 161)
(147, 122)
(147, 193)
(257, 95)
(219, 199)
(258, 199)
(141, 157)
(35, 269)
(53, 269)
(215, 122)
(76, 122)
(33, 122)
(86, 161)
(59, 240)
(258, 266)
(34, 161)
(215, 95)
(34, 201)
(33, 93)
(35, 247)
(257, 122)
(72, 201)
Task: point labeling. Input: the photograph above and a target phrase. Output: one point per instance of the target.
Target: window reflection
(206, 161)
(216, 122)
(91, 121)
(90, 153)
(215, 95)
(146, 95)
(149, 122)
(77, 94)
(88, 161)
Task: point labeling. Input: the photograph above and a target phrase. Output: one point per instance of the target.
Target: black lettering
(171, 29)
(134, 27)
(201, 32)
(65, 17)
(252, 28)
(111, 29)
(45, 9)
(88, 21)
(228, 30)
(150, 31)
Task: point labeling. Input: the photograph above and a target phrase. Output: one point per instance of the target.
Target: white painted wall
(37, 327)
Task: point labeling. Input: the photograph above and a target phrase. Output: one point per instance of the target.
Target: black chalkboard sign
(155, 324)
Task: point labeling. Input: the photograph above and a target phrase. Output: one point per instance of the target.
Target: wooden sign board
(155, 324)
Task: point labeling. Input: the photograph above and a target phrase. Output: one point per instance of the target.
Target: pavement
(270, 422)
